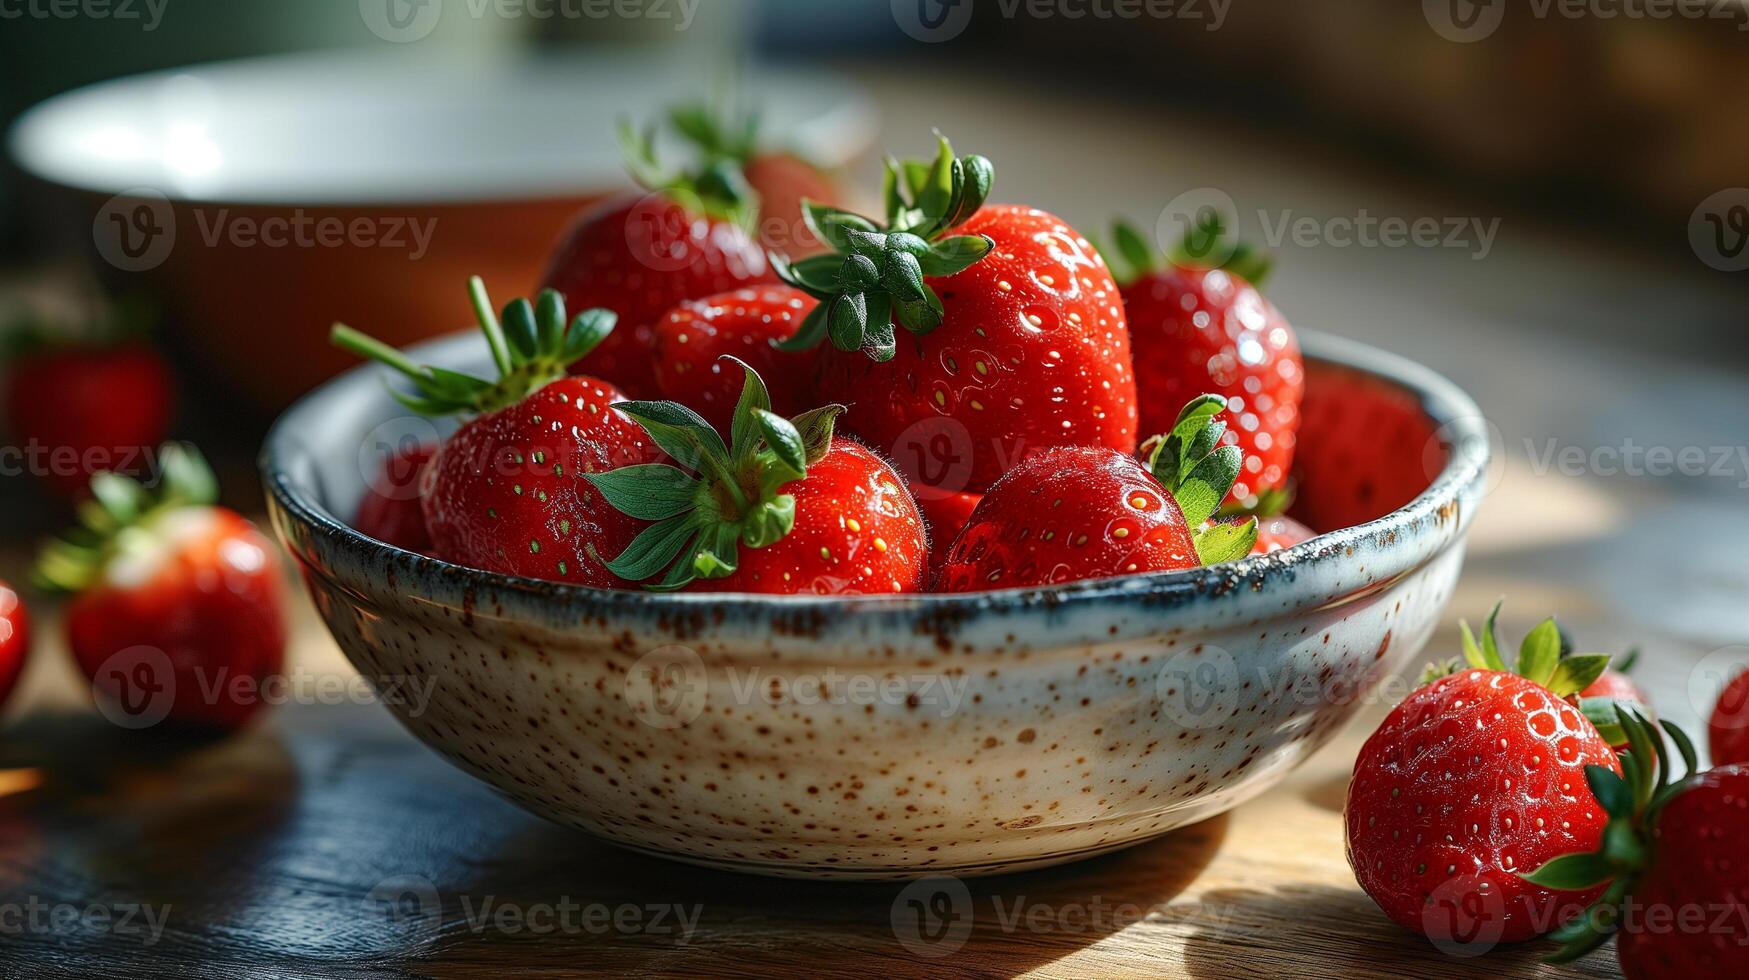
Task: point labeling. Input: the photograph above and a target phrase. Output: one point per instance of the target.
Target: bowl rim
(1253, 589)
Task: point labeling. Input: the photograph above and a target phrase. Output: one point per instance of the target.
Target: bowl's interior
(293, 129)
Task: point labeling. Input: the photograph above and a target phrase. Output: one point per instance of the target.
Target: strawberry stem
(489, 324)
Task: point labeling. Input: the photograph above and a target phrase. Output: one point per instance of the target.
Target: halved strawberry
(504, 494)
(691, 340)
(782, 507)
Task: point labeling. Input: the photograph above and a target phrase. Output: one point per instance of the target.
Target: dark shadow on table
(1339, 932)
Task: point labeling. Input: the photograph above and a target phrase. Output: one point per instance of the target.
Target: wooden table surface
(327, 842)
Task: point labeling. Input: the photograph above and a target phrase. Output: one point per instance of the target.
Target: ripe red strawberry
(692, 338)
(503, 493)
(1079, 512)
(1014, 335)
(1196, 328)
(1728, 730)
(641, 255)
(392, 510)
(81, 410)
(781, 181)
(14, 639)
(783, 507)
(1673, 858)
(179, 607)
(947, 514)
(1366, 447)
(1473, 779)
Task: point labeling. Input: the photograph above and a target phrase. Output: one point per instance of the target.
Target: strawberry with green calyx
(686, 236)
(1196, 327)
(1085, 512)
(1275, 530)
(782, 507)
(1190, 462)
(502, 494)
(1599, 698)
(1672, 856)
(1474, 777)
(875, 274)
(1206, 244)
(169, 592)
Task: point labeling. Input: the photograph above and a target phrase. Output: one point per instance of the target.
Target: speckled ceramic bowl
(893, 737)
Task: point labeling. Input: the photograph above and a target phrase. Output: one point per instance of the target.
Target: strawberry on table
(88, 407)
(1080, 512)
(14, 639)
(392, 510)
(1671, 865)
(1196, 328)
(172, 597)
(1728, 729)
(503, 494)
(640, 255)
(782, 507)
(1473, 780)
(691, 339)
(1013, 336)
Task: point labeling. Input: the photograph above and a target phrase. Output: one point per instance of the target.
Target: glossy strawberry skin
(14, 639)
(214, 604)
(90, 410)
(1276, 533)
(946, 514)
(857, 532)
(690, 341)
(1207, 330)
(640, 256)
(1697, 876)
(1728, 730)
(1366, 448)
(1474, 779)
(1066, 514)
(391, 510)
(1617, 685)
(504, 493)
(1033, 352)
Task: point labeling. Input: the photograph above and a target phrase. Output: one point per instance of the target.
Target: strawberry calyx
(874, 273)
(1198, 471)
(531, 348)
(1633, 799)
(1544, 657)
(722, 495)
(716, 132)
(119, 517)
(1205, 245)
(717, 188)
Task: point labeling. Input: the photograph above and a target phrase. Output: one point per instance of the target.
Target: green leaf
(1641, 744)
(1540, 652)
(680, 432)
(978, 176)
(770, 522)
(121, 500)
(832, 225)
(1572, 872)
(903, 277)
(654, 548)
(1200, 493)
(1490, 638)
(810, 333)
(936, 192)
(1472, 653)
(1226, 542)
(647, 491)
(1578, 672)
(1684, 747)
(743, 432)
(785, 442)
(1601, 713)
(1135, 249)
(519, 329)
(952, 255)
(717, 555)
(185, 475)
(549, 316)
(847, 321)
(895, 202)
(815, 427)
(588, 329)
(1611, 790)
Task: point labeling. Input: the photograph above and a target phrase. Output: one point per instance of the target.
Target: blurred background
(1546, 202)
